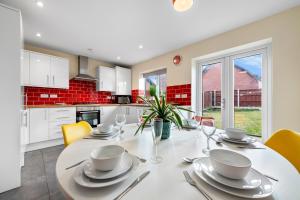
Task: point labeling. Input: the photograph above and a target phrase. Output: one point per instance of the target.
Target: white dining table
(166, 180)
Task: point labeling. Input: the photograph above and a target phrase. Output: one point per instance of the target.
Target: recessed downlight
(40, 4)
(141, 46)
(118, 58)
(38, 35)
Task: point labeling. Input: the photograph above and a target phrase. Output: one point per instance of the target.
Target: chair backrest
(74, 132)
(286, 143)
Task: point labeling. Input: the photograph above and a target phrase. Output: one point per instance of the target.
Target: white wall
(10, 49)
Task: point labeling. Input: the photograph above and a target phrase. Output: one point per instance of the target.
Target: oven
(90, 116)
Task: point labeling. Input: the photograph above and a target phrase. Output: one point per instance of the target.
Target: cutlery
(132, 185)
(143, 160)
(191, 181)
(268, 176)
(218, 142)
(245, 147)
(76, 164)
(190, 160)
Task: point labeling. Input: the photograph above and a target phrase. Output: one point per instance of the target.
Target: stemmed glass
(157, 127)
(120, 121)
(140, 113)
(208, 131)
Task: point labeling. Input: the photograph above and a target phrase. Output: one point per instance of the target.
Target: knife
(132, 185)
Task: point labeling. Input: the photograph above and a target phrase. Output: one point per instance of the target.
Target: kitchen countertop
(83, 105)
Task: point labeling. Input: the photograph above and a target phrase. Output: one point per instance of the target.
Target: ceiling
(113, 28)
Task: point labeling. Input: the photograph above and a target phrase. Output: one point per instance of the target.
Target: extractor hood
(83, 70)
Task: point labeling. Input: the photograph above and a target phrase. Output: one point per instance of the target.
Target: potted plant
(159, 108)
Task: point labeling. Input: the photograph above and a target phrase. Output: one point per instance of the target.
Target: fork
(143, 160)
(191, 181)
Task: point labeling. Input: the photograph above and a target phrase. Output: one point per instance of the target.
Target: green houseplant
(159, 108)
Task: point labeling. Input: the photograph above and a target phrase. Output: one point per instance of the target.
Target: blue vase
(166, 130)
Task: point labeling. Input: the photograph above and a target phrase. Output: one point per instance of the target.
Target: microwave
(122, 99)
(90, 116)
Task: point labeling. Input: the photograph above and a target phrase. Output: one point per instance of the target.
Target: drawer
(58, 124)
(62, 114)
(55, 130)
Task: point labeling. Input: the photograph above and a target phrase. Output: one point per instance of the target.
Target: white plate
(122, 168)
(251, 181)
(98, 134)
(245, 140)
(264, 190)
(84, 181)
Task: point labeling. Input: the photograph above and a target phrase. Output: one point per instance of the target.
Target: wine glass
(157, 127)
(140, 113)
(120, 121)
(208, 131)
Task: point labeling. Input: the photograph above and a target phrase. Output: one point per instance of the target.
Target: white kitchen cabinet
(106, 79)
(108, 114)
(25, 79)
(59, 73)
(123, 81)
(39, 69)
(45, 123)
(131, 114)
(38, 125)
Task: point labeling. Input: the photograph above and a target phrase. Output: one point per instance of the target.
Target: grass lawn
(247, 119)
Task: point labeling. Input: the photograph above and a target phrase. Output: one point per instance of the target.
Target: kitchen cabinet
(108, 114)
(39, 69)
(45, 123)
(38, 125)
(59, 73)
(131, 114)
(106, 79)
(25, 68)
(123, 81)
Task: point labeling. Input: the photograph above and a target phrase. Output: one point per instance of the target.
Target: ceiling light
(40, 4)
(182, 5)
(38, 35)
(118, 58)
(141, 46)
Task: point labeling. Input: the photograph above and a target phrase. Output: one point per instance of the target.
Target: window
(158, 79)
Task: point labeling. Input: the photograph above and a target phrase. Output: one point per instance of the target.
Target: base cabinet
(45, 123)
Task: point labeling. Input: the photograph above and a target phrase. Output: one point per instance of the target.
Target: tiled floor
(38, 177)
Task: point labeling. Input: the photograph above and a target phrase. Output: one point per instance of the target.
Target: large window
(156, 79)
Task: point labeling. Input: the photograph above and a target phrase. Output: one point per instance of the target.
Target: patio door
(233, 89)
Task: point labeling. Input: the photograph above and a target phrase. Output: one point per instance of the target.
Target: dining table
(166, 180)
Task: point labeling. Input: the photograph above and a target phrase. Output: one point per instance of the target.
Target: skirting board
(42, 145)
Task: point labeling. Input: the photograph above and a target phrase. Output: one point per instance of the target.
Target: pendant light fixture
(182, 5)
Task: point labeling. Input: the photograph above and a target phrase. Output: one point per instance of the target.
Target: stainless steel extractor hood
(83, 70)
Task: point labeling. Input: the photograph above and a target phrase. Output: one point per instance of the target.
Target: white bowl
(235, 133)
(106, 158)
(230, 164)
(105, 128)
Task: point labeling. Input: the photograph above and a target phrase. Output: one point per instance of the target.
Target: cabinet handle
(48, 79)
(53, 79)
(101, 85)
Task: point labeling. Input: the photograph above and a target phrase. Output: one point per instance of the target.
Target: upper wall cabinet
(123, 81)
(41, 70)
(106, 79)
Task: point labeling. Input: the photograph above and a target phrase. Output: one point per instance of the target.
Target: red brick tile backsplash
(182, 92)
(78, 92)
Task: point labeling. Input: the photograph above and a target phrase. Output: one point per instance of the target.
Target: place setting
(238, 137)
(104, 132)
(230, 172)
(107, 168)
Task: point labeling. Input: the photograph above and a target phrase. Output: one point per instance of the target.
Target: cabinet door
(25, 68)
(59, 73)
(39, 69)
(123, 81)
(106, 79)
(38, 125)
(108, 114)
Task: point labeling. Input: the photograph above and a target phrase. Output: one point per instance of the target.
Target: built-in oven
(90, 116)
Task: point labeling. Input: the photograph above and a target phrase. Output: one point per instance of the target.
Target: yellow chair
(286, 143)
(74, 132)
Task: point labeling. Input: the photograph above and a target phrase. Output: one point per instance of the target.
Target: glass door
(211, 90)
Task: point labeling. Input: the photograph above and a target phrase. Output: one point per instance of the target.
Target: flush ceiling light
(141, 46)
(40, 4)
(118, 58)
(38, 35)
(182, 5)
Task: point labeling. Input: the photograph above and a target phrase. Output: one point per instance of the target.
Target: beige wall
(283, 28)
(73, 60)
